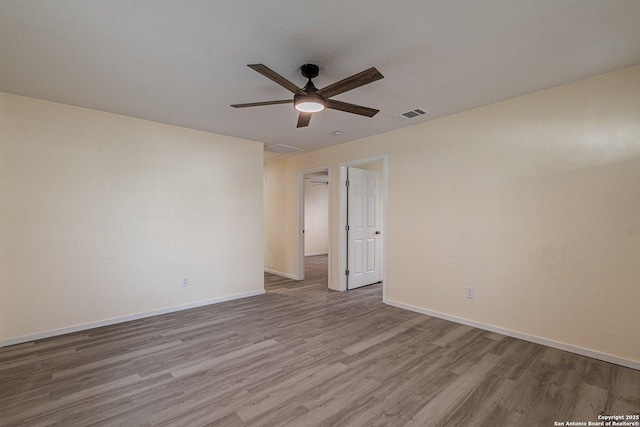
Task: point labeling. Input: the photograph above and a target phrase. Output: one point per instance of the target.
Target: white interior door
(364, 241)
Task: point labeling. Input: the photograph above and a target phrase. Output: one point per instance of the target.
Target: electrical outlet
(469, 290)
(185, 282)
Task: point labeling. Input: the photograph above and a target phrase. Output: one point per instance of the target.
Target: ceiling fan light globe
(309, 103)
(309, 107)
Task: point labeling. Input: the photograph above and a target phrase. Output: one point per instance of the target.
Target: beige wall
(103, 215)
(534, 202)
(316, 218)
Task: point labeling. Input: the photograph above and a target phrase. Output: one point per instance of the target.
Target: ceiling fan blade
(258, 104)
(304, 119)
(270, 74)
(357, 80)
(351, 108)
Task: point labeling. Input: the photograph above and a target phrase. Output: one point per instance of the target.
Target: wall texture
(102, 216)
(534, 202)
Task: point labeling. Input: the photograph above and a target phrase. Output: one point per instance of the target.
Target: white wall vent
(418, 112)
(282, 149)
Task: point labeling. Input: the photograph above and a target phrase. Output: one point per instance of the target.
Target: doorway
(364, 225)
(314, 222)
(363, 248)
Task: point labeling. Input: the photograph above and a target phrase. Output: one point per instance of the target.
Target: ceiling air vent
(411, 114)
(282, 149)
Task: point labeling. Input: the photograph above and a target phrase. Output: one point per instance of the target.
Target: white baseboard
(532, 338)
(107, 322)
(316, 253)
(279, 273)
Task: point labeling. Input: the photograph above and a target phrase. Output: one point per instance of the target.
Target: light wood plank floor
(304, 355)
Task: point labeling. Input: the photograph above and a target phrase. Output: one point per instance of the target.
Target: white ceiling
(184, 62)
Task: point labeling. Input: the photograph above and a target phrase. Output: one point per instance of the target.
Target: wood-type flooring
(302, 355)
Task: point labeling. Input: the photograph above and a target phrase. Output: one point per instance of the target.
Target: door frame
(301, 195)
(342, 219)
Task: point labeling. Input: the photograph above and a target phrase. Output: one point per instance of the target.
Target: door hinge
(346, 228)
(346, 272)
(346, 183)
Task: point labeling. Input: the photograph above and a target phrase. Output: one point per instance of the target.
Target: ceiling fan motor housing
(310, 102)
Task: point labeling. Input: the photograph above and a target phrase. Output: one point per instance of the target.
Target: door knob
(377, 232)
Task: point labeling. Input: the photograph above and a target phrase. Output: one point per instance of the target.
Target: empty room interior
(363, 213)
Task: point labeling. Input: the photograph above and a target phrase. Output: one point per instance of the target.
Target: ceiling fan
(309, 99)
